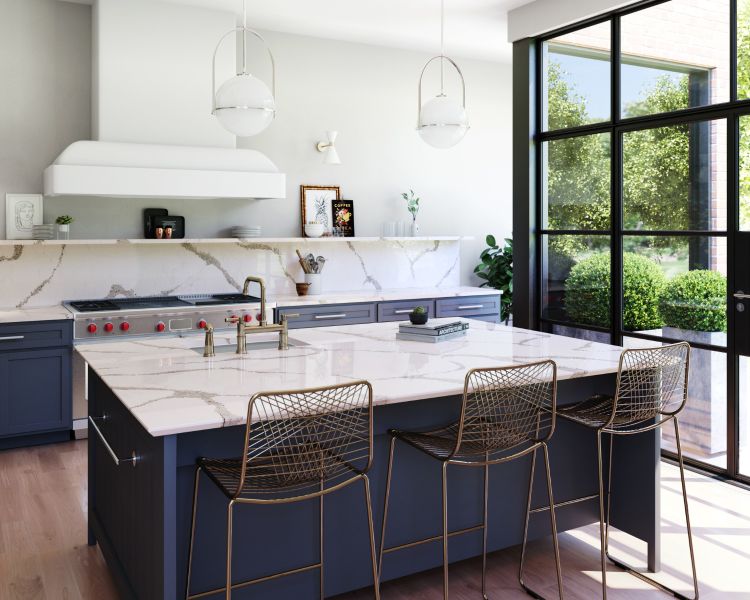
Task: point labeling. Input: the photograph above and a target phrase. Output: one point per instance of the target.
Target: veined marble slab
(44, 275)
(172, 389)
(354, 296)
(41, 313)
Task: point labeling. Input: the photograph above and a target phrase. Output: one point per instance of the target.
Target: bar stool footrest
(248, 582)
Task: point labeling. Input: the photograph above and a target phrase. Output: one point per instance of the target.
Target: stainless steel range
(161, 315)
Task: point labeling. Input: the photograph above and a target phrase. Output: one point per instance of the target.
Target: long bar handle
(470, 306)
(336, 316)
(738, 295)
(10, 338)
(133, 458)
(403, 311)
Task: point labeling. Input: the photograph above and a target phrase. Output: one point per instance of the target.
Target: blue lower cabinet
(328, 315)
(35, 393)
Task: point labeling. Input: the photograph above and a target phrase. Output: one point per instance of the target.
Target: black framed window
(641, 174)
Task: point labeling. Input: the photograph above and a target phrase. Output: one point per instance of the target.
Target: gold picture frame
(315, 204)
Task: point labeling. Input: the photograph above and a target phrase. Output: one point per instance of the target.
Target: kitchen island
(166, 405)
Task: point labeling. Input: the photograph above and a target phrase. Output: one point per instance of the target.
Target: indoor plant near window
(63, 226)
(496, 269)
(412, 205)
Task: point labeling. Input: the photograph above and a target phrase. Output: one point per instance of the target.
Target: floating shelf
(259, 240)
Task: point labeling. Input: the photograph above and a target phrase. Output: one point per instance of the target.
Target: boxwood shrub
(695, 300)
(587, 292)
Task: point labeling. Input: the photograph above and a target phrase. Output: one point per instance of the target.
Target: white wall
(367, 93)
(152, 65)
(541, 16)
(45, 88)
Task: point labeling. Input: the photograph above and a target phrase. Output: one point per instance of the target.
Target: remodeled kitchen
(294, 301)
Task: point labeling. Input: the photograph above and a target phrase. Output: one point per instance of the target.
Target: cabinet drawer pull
(133, 457)
(337, 316)
(403, 311)
(10, 338)
(470, 306)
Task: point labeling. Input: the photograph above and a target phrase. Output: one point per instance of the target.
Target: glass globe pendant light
(442, 121)
(243, 104)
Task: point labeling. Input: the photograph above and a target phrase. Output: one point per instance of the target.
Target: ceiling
(473, 28)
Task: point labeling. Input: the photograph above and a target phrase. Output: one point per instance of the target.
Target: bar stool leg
(192, 531)
(553, 521)
(229, 550)
(445, 530)
(385, 505)
(373, 557)
(526, 527)
(602, 536)
(484, 526)
(322, 541)
(687, 511)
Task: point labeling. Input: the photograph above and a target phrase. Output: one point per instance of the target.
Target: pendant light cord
(442, 45)
(244, 37)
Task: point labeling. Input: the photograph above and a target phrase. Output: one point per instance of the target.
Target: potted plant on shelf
(418, 316)
(496, 269)
(63, 226)
(412, 205)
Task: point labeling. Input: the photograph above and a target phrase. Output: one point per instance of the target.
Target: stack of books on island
(437, 330)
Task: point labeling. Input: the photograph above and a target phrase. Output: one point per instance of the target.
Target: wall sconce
(329, 148)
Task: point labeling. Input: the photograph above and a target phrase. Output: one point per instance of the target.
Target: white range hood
(116, 169)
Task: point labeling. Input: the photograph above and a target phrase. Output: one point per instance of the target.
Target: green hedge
(695, 300)
(587, 292)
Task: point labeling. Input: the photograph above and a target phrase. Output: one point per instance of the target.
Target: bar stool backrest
(315, 434)
(506, 406)
(651, 382)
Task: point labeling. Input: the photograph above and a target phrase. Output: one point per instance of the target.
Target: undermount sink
(262, 345)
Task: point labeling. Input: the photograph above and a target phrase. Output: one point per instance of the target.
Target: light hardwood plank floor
(43, 551)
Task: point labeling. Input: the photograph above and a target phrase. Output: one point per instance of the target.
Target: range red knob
(91, 328)
(124, 326)
(202, 324)
(259, 316)
(108, 327)
(247, 318)
(160, 327)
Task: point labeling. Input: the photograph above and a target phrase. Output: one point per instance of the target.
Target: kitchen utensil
(321, 263)
(302, 262)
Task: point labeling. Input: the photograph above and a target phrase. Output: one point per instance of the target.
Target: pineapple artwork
(317, 207)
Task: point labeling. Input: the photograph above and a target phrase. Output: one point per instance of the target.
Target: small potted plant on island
(63, 226)
(418, 316)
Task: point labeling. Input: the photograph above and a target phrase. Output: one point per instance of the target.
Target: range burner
(105, 318)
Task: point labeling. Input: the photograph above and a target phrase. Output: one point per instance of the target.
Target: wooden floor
(43, 551)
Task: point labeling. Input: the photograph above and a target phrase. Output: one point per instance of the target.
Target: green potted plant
(412, 205)
(63, 226)
(496, 269)
(418, 316)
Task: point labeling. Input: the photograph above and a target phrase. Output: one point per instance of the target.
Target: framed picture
(22, 212)
(343, 216)
(316, 205)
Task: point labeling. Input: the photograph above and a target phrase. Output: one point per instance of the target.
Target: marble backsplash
(44, 275)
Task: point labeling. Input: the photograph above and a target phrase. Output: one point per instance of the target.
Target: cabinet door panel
(35, 393)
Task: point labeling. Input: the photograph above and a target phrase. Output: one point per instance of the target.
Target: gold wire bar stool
(506, 413)
(652, 387)
(299, 445)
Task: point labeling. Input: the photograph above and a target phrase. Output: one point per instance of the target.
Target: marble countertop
(43, 313)
(283, 300)
(171, 389)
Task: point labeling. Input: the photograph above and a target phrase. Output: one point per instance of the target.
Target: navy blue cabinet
(35, 383)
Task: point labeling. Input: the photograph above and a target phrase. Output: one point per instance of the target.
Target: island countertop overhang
(171, 389)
